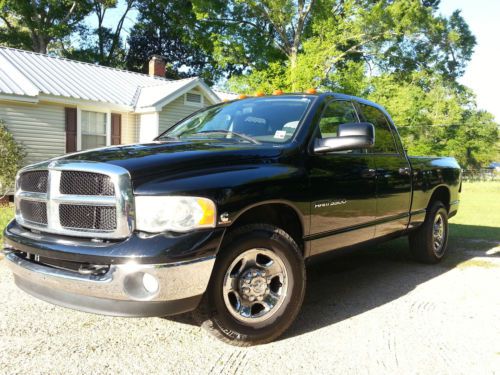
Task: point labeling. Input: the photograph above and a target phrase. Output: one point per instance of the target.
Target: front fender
(239, 188)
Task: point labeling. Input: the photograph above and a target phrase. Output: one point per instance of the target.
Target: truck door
(393, 174)
(343, 206)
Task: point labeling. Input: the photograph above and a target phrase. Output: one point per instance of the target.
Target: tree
(11, 158)
(443, 46)
(476, 142)
(436, 117)
(102, 45)
(315, 40)
(33, 25)
(169, 28)
(253, 34)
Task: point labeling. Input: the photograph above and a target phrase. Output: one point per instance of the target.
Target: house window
(192, 98)
(93, 129)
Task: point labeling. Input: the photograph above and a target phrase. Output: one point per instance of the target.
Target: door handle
(404, 171)
(368, 173)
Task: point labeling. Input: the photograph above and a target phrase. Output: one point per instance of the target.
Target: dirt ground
(372, 312)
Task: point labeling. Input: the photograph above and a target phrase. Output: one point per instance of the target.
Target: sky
(482, 74)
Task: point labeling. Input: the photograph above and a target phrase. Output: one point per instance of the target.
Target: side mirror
(350, 136)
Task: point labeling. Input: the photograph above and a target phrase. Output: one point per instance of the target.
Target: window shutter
(116, 129)
(71, 129)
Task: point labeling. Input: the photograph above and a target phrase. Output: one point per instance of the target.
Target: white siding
(130, 128)
(40, 128)
(177, 110)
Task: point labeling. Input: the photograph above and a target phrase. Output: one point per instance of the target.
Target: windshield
(254, 120)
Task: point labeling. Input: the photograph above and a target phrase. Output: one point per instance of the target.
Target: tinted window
(272, 120)
(336, 113)
(384, 141)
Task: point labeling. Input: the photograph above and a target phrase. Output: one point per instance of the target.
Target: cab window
(336, 113)
(262, 120)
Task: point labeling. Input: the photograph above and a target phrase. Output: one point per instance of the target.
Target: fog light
(150, 283)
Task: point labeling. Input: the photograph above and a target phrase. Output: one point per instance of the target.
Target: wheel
(257, 287)
(429, 242)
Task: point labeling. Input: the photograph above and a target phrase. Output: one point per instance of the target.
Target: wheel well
(277, 214)
(441, 194)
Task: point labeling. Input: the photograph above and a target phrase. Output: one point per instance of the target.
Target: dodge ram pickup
(222, 211)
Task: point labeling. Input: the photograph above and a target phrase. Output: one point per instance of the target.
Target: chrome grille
(33, 211)
(86, 183)
(35, 181)
(87, 217)
(75, 198)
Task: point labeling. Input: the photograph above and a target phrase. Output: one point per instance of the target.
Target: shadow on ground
(475, 232)
(346, 284)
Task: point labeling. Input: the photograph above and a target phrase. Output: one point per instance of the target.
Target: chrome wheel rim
(438, 234)
(255, 286)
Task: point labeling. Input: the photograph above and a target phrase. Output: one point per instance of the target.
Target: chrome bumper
(120, 291)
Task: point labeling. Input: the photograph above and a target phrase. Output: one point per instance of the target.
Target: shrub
(11, 158)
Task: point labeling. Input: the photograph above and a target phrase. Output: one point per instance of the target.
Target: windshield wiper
(239, 135)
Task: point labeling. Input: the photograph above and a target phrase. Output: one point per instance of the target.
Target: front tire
(257, 287)
(428, 244)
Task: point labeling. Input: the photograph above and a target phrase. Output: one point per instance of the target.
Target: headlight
(173, 213)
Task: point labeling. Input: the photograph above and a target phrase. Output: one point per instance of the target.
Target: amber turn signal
(260, 93)
(311, 91)
(242, 96)
(278, 92)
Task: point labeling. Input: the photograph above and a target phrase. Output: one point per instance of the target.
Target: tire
(257, 286)
(428, 244)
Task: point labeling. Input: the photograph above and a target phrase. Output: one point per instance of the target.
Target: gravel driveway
(371, 312)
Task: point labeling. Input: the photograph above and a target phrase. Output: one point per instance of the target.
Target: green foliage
(435, 117)
(246, 34)
(318, 42)
(6, 215)
(169, 29)
(274, 77)
(11, 157)
(32, 25)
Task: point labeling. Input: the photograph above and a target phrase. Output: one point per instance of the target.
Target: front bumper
(120, 291)
(179, 266)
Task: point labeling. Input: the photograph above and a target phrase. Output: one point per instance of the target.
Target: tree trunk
(40, 43)
(293, 69)
(43, 45)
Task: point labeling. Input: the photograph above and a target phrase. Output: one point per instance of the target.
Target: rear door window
(384, 139)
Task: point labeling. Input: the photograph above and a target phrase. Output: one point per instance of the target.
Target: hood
(151, 159)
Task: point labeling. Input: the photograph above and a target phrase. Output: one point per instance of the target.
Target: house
(53, 105)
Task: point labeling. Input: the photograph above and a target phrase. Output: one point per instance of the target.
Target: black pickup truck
(220, 213)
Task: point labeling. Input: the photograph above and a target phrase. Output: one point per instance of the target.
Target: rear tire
(257, 286)
(428, 244)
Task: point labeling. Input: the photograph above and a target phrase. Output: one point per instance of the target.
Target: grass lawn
(478, 215)
(479, 212)
(6, 214)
